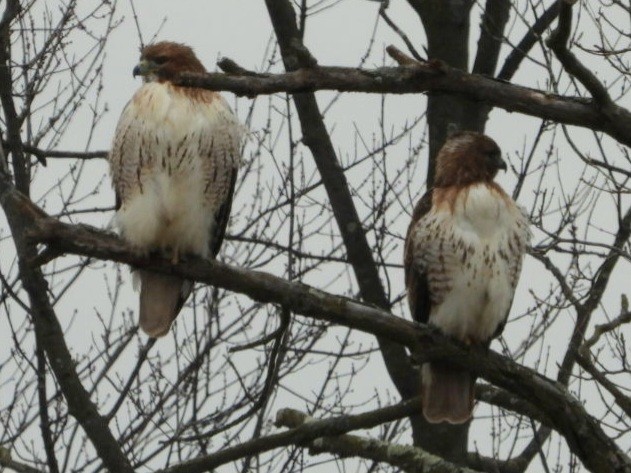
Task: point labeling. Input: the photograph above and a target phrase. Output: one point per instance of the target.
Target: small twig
(144, 352)
(261, 341)
(272, 372)
(137, 23)
(400, 57)
(600, 330)
(398, 31)
(43, 154)
(558, 42)
(230, 67)
(621, 399)
(7, 462)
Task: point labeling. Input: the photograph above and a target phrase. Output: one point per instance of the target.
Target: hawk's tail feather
(447, 393)
(161, 298)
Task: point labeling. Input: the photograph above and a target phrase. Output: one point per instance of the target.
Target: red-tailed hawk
(174, 164)
(463, 255)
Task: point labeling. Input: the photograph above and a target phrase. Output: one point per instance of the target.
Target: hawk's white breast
(172, 161)
(471, 250)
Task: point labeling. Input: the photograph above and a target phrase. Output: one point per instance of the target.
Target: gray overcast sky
(240, 29)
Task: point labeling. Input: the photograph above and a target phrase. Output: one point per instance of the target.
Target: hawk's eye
(159, 60)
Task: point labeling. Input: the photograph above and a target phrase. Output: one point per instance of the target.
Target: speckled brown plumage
(463, 255)
(173, 163)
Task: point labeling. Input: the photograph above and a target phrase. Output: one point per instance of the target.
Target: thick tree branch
(434, 76)
(408, 458)
(496, 13)
(44, 419)
(558, 43)
(567, 414)
(13, 124)
(494, 19)
(297, 436)
(509, 402)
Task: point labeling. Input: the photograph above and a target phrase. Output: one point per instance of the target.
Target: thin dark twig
(399, 31)
(270, 379)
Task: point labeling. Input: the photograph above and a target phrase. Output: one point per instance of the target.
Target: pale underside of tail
(161, 298)
(447, 393)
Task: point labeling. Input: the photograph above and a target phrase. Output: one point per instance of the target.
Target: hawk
(463, 255)
(173, 165)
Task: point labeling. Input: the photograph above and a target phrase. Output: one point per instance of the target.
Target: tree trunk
(447, 25)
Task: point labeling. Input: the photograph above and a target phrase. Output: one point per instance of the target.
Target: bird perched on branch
(463, 255)
(173, 164)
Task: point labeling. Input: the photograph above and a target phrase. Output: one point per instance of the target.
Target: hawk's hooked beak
(501, 164)
(142, 68)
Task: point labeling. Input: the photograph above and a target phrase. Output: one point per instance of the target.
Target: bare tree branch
(433, 76)
(20, 213)
(558, 43)
(297, 436)
(408, 458)
(520, 52)
(582, 432)
(496, 13)
(7, 462)
(316, 137)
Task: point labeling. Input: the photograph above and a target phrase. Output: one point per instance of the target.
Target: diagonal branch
(45, 426)
(558, 43)
(7, 462)
(426, 77)
(297, 436)
(585, 310)
(582, 432)
(11, 119)
(519, 52)
(21, 214)
(409, 459)
(317, 139)
(621, 399)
